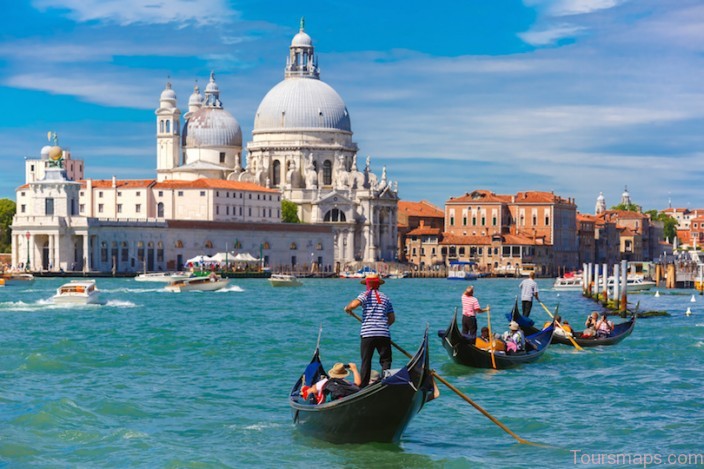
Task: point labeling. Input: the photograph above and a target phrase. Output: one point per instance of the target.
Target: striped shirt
(470, 305)
(375, 316)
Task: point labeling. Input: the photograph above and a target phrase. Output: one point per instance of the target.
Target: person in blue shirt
(377, 315)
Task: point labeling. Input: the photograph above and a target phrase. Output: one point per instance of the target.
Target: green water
(157, 379)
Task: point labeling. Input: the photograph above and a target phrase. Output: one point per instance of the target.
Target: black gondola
(379, 412)
(463, 351)
(620, 332)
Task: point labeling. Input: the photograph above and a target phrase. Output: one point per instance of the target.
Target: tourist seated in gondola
(590, 325)
(562, 328)
(483, 342)
(604, 327)
(514, 338)
(334, 386)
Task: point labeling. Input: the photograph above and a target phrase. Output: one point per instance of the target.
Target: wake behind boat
(210, 283)
(465, 351)
(164, 277)
(284, 280)
(379, 412)
(77, 292)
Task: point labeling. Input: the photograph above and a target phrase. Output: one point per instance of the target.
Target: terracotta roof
(481, 196)
(205, 183)
(424, 230)
(465, 239)
(420, 209)
(121, 184)
(610, 214)
(583, 217)
(522, 240)
(539, 197)
(625, 231)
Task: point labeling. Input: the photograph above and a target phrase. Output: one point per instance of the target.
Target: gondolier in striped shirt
(378, 314)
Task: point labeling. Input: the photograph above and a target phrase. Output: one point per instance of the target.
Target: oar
(461, 394)
(567, 334)
(491, 336)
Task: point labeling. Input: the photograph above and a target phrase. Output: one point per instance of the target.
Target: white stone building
(203, 200)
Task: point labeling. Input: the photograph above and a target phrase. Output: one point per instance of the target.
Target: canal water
(201, 379)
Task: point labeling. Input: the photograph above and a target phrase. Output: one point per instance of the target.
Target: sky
(572, 96)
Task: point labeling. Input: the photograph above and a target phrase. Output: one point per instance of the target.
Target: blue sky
(572, 96)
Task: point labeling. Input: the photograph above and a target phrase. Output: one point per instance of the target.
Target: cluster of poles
(595, 283)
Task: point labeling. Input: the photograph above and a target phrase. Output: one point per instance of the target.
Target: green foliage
(627, 207)
(670, 224)
(289, 212)
(7, 211)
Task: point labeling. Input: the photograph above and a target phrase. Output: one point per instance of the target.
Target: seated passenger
(482, 342)
(604, 327)
(590, 325)
(562, 328)
(335, 385)
(514, 338)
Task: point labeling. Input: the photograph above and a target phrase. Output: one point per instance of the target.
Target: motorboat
(460, 270)
(633, 283)
(284, 280)
(361, 273)
(210, 283)
(164, 277)
(77, 292)
(10, 278)
(569, 281)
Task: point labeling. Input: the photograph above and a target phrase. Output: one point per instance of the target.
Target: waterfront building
(511, 234)
(586, 238)
(302, 145)
(420, 227)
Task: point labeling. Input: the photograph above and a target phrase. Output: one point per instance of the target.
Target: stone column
(86, 253)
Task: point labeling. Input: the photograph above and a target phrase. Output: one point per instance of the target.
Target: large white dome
(302, 103)
(212, 127)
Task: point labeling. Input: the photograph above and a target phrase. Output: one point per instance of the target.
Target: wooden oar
(461, 394)
(491, 336)
(567, 334)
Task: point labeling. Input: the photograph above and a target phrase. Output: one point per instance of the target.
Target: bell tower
(168, 145)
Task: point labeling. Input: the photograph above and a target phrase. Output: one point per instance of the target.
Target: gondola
(620, 332)
(463, 351)
(379, 412)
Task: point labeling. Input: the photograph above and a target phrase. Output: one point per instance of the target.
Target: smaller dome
(45, 152)
(212, 87)
(302, 40)
(196, 98)
(601, 196)
(55, 153)
(168, 94)
(212, 127)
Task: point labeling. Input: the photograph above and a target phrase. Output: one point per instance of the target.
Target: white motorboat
(77, 292)
(164, 277)
(16, 278)
(284, 280)
(460, 270)
(210, 283)
(633, 283)
(568, 282)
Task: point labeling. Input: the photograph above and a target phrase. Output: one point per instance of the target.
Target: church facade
(204, 200)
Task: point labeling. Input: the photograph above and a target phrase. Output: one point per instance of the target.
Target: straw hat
(372, 277)
(338, 370)
(513, 325)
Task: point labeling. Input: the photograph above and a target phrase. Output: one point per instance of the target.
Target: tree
(669, 223)
(627, 207)
(289, 212)
(7, 211)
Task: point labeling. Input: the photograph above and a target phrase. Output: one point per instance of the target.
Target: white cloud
(572, 7)
(126, 12)
(550, 35)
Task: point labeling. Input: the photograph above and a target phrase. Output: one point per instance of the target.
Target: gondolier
(529, 290)
(378, 314)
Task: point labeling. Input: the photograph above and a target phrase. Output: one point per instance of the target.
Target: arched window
(168, 126)
(160, 210)
(179, 244)
(293, 246)
(161, 126)
(327, 173)
(208, 244)
(277, 173)
(335, 215)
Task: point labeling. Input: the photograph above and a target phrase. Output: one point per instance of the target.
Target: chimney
(114, 182)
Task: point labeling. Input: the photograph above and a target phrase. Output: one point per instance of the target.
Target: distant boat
(209, 283)
(284, 280)
(77, 292)
(361, 273)
(569, 281)
(633, 283)
(162, 276)
(16, 277)
(460, 270)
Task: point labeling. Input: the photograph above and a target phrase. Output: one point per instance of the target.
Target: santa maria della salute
(206, 198)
